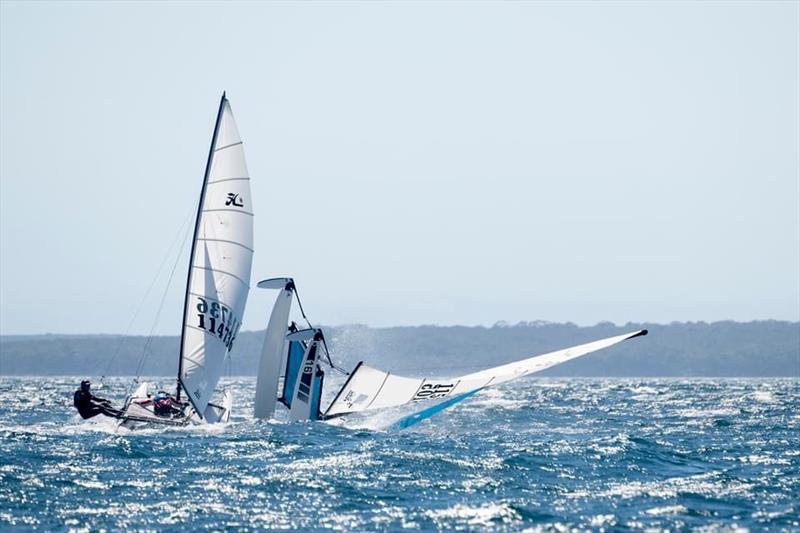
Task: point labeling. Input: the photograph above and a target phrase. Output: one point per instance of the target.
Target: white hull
(138, 413)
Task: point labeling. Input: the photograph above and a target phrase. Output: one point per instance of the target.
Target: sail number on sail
(218, 320)
(430, 391)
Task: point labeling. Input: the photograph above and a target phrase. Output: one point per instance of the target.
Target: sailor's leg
(110, 411)
(90, 412)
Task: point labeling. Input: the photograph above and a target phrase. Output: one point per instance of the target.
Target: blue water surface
(536, 454)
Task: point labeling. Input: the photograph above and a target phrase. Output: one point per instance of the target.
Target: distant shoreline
(498, 324)
(768, 348)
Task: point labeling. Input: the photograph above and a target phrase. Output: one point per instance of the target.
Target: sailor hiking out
(89, 405)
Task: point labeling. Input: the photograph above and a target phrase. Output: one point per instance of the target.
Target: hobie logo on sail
(234, 200)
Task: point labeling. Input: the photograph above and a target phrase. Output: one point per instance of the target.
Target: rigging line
(300, 304)
(325, 344)
(149, 341)
(144, 298)
(327, 352)
(330, 362)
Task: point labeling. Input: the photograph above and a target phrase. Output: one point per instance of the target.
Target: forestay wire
(149, 342)
(139, 308)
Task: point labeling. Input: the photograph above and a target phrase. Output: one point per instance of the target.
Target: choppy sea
(536, 454)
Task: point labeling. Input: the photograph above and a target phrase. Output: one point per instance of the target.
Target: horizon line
(499, 324)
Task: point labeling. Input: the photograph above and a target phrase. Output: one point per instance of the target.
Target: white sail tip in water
(370, 388)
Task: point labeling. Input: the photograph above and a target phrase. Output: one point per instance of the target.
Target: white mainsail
(220, 263)
(269, 366)
(369, 388)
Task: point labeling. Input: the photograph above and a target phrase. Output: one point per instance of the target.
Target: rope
(330, 362)
(300, 304)
(149, 341)
(143, 300)
(324, 343)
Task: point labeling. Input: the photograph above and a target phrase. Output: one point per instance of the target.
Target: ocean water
(536, 454)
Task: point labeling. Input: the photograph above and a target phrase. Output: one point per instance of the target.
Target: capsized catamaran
(217, 286)
(369, 388)
(296, 353)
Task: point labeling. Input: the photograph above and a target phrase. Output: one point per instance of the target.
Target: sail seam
(231, 210)
(188, 358)
(419, 388)
(227, 146)
(489, 382)
(223, 272)
(226, 241)
(227, 179)
(204, 331)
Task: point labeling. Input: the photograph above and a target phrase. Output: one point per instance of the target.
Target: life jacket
(162, 405)
(82, 399)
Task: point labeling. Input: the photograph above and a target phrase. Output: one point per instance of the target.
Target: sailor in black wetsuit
(89, 405)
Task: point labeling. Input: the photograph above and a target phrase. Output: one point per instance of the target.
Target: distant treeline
(736, 349)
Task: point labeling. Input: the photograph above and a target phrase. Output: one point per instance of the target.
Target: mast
(194, 243)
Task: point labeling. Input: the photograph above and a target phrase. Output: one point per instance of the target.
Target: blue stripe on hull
(316, 396)
(418, 417)
(293, 361)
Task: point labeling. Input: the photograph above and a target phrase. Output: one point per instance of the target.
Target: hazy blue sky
(412, 163)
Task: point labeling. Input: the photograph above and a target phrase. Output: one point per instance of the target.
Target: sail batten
(218, 271)
(220, 264)
(220, 180)
(227, 242)
(229, 210)
(228, 146)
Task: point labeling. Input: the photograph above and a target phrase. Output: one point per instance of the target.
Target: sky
(412, 163)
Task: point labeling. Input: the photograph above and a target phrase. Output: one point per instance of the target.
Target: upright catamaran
(217, 285)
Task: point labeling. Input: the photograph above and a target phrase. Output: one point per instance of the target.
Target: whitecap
(666, 510)
(484, 515)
